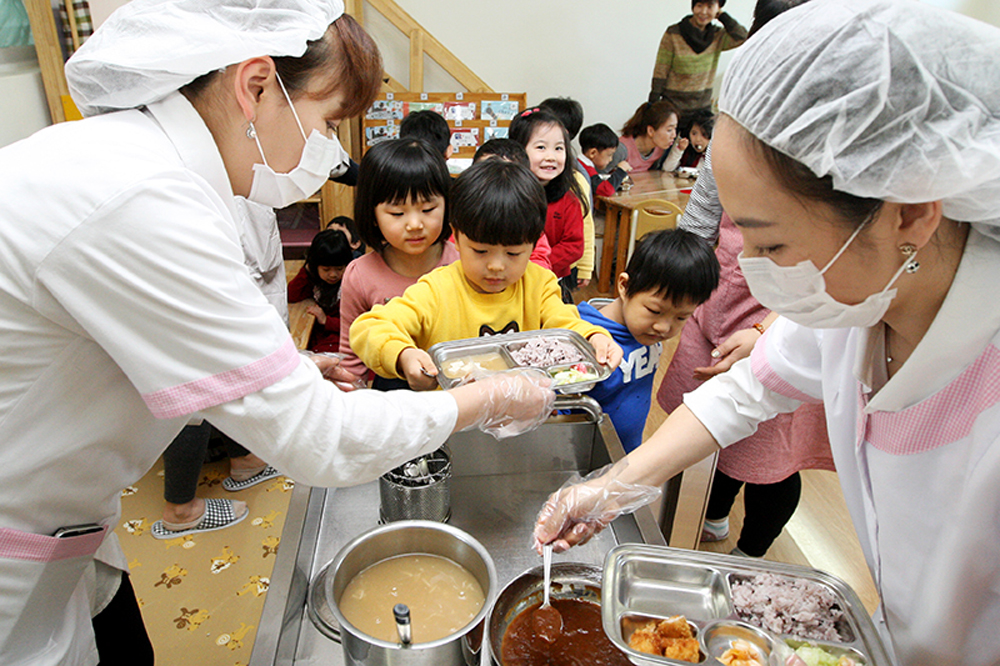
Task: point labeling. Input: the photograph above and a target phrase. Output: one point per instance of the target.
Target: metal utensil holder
(417, 490)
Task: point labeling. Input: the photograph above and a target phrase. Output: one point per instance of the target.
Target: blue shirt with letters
(625, 395)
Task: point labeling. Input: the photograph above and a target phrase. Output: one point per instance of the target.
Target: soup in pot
(443, 597)
(582, 641)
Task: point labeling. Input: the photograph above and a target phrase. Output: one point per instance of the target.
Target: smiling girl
(551, 161)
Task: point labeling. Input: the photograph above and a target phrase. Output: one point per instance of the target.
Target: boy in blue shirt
(670, 274)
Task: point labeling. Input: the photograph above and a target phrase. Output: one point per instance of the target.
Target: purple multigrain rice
(543, 352)
(788, 606)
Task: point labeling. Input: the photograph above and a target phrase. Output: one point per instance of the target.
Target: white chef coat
(918, 456)
(262, 254)
(125, 307)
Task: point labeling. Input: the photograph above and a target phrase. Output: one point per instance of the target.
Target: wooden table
(618, 217)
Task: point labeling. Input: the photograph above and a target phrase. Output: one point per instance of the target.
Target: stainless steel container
(643, 582)
(400, 538)
(570, 580)
(417, 490)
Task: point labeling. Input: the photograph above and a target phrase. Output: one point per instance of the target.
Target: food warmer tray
(497, 349)
(647, 582)
(497, 489)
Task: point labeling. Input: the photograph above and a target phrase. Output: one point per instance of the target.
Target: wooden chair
(652, 215)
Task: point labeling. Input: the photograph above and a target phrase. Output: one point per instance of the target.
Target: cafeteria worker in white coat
(125, 306)
(859, 153)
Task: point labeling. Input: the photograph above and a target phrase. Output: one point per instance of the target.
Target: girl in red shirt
(551, 156)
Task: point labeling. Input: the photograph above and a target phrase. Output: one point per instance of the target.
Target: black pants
(121, 635)
(767, 509)
(184, 457)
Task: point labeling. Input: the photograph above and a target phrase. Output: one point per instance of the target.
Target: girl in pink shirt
(400, 212)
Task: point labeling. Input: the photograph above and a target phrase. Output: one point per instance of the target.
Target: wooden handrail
(421, 42)
(50, 60)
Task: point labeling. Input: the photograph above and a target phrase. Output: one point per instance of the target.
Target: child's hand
(682, 144)
(580, 283)
(606, 350)
(736, 347)
(624, 166)
(317, 311)
(418, 368)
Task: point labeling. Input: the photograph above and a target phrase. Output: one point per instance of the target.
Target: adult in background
(130, 309)
(722, 331)
(689, 55)
(858, 153)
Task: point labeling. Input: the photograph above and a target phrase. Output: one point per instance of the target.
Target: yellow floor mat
(202, 595)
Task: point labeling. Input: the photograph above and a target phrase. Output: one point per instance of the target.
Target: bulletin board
(474, 118)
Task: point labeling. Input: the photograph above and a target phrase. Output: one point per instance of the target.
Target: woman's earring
(251, 131)
(909, 250)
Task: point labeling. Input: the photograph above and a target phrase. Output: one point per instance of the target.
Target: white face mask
(319, 157)
(799, 292)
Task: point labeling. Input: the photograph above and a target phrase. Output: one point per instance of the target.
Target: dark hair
(765, 10)
(675, 264)
(568, 111)
(598, 136)
(428, 126)
(505, 149)
(703, 118)
(801, 182)
(523, 126)
(649, 114)
(393, 172)
(722, 3)
(352, 229)
(498, 203)
(329, 248)
(346, 56)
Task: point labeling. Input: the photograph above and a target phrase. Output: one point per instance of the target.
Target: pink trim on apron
(226, 386)
(18, 545)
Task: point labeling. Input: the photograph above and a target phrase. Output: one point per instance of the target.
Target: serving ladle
(546, 619)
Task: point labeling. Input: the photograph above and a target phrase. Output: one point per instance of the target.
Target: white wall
(598, 52)
(22, 96)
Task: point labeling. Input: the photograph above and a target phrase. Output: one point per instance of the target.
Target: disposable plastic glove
(585, 506)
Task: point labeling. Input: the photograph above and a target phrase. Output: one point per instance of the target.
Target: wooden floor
(820, 533)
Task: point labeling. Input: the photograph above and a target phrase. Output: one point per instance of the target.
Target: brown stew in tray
(581, 643)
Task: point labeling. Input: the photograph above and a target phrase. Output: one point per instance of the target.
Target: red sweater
(564, 229)
(327, 337)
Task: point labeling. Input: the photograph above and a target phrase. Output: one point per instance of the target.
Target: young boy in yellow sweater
(497, 211)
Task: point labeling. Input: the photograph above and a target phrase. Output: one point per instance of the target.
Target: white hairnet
(147, 49)
(894, 99)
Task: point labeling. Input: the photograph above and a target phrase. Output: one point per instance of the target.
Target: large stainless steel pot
(400, 538)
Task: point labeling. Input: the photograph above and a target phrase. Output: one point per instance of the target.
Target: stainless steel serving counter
(497, 489)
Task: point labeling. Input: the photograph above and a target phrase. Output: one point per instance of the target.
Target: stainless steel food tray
(445, 353)
(642, 581)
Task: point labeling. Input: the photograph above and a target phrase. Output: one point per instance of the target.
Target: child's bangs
(412, 180)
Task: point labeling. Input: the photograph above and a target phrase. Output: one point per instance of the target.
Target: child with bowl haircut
(498, 212)
(670, 274)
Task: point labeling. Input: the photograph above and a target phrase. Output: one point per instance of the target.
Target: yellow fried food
(671, 638)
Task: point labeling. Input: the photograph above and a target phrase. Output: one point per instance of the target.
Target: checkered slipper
(232, 485)
(219, 514)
